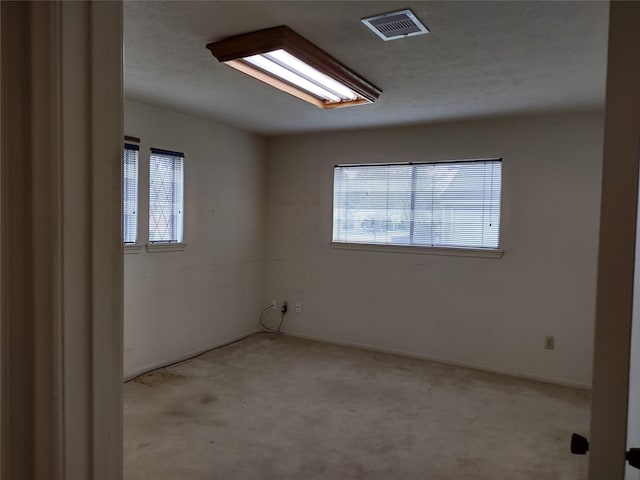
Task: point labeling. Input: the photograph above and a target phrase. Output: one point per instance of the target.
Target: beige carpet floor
(284, 408)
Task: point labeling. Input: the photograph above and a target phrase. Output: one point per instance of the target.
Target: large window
(446, 204)
(165, 196)
(130, 194)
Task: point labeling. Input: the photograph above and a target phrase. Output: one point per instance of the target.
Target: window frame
(465, 251)
(174, 243)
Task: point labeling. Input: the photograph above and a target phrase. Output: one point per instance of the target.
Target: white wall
(491, 313)
(177, 303)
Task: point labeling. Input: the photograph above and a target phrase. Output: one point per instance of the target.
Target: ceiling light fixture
(285, 60)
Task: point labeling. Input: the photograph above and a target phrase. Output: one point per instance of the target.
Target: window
(447, 204)
(165, 196)
(130, 194)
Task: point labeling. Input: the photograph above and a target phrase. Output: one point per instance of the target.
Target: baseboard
(446, 361)
(484, 368)
(181, 358)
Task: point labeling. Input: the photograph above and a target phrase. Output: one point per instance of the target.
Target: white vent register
(395, 25)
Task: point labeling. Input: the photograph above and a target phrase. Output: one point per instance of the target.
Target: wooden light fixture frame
(232, 50)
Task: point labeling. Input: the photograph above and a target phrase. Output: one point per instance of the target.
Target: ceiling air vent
(394, 25)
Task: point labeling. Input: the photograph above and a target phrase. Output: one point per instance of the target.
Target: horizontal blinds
(448, 204)
(165, 196)
(130, 194)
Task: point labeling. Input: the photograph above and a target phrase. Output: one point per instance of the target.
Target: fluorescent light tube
(298, 66)
(279, 71)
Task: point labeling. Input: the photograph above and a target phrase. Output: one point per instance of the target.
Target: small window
(130, 194)
(446, 204)
(165, 196)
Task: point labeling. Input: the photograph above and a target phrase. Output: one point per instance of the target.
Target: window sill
(456, 252)
(130, 248)
(165, 247)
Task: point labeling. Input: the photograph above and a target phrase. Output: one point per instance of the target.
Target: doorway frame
(616, 256)
(61, 258)
(60, 211)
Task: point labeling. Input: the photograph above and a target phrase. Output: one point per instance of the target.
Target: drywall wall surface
(483, 312)
(177, 303)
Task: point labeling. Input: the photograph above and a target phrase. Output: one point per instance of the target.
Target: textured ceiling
(481, 59)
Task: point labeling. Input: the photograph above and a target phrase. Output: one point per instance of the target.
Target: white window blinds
(130, 194)
(165, 196)
(447, 204)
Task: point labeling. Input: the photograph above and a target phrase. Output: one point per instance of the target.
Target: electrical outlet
(549, 343)
(298, 307)
(274, 304)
